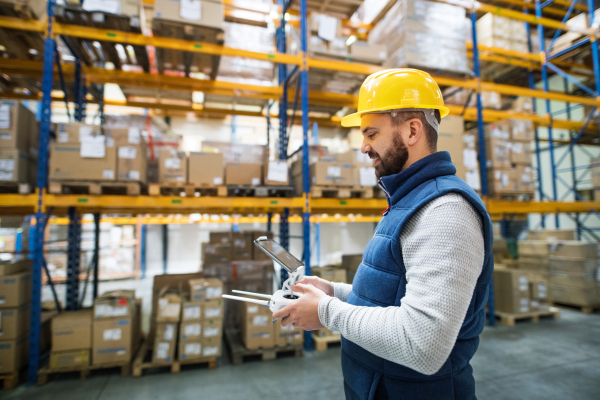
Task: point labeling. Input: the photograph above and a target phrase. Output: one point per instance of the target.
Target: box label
(4, 116)
(169, 332)
(523, 283)
(7, 164)
(92, 146)
(278, 171)
(162, 350)
(111, 334)
(212, 312)
(193, 348)
(367, 177)
(190, 9)
(127, 152)
(252, 309)
(192, 330)
(334, 171)
(107, 6)
(211, 351)
(108, 174)
(260, 320)
(191, 312)
(173, 163)
(85, 132)
(133, 135)
(541, 290)
(6, 176)
(524, 305)
(212, 331)
(213, 292)
(105, 310)
(217, 180)
(255, 181)
(134, 175)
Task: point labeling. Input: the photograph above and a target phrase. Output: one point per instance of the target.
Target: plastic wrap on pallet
(424, 34)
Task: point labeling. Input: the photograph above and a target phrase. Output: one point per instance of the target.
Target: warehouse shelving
(42, 204)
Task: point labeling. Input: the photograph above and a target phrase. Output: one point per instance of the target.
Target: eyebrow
(369, 128)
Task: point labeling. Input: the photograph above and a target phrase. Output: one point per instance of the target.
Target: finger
(308, 280)
(287, 321)
(300, 288)
(284, 312)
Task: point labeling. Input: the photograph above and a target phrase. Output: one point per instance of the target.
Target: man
(411, 320)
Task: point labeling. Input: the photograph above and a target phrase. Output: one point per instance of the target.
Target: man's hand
(325, 286)
(304, 312)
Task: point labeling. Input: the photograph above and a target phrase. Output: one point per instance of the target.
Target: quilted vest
(381, 282)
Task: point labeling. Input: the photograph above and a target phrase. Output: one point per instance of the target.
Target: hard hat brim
(353, 120)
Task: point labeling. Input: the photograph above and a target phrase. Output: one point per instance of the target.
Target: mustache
(373, 155)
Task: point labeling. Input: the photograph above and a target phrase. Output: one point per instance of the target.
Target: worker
(411, 320)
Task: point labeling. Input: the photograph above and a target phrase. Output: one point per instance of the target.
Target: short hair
(430, 134)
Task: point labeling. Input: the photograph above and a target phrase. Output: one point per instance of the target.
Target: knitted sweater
(443, 250)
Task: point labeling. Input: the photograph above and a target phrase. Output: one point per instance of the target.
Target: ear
(416, 131)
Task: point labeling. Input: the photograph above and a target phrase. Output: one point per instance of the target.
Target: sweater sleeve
(341, 290)
(443, 250)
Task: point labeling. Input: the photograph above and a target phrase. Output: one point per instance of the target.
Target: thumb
(300, 288)
(308, 280)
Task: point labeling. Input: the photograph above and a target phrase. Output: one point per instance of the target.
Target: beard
(393, 160)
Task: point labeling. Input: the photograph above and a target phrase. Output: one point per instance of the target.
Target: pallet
(15, 187)
(10, 381)
(184, 61)
(341, 192)
(95, 187)
(260, 191)
(323, 342)
(90, 54)
(533, 316)
(239, 353)
(84, 371)
(143, 361)
(587, 309)
(178, 189)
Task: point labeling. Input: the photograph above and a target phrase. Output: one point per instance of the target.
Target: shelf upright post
(538, 14)
(42, 179)
(536, 131)
(482, 156)
(96, 253)
(165, 249)
(305, 149)
(572, 156)
(143, 251)
(73, 259)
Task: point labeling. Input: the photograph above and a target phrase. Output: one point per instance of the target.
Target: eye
(371, 136)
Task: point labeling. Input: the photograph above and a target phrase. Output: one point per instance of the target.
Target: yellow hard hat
(395, 89)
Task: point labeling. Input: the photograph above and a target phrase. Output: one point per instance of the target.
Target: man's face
(383, 143)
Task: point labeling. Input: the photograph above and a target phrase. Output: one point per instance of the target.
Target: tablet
(280, 255)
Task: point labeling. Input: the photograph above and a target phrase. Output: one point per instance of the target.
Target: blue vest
(381, 282)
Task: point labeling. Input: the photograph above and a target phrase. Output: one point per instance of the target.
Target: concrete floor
(554, 359)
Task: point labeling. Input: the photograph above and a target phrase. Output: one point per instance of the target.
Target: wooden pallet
(323, 342)
(341, 192)
(95, 187)
(260, 191)
(178, 189)
(239, 353)
(533, 316)
(10, 381)
(84, 371)
(90, 54)
(143, 361)
(587, 309)
(15, 187)
(185, 61)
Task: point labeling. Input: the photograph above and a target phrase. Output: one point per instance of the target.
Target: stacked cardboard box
(243, 163)
(82, 152)
(15, 310)
(19, 133)
(330, 273)
(550, 235)
(206, 293)
(324, 169)
(207, 13)
(205, 169)
(130, 8)
(132, 154)
(71, 339)
(533, 255)
(459, 96)
(172, 166)
(450, 137)
(363, 172)
(511, 291)
(574, 272)
(167, 325)
(423, 34)
(257, 330)
(116, 327)
(471, 160)
(505, 33)
(350, 263)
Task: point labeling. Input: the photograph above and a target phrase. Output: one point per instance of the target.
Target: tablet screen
(279, 254)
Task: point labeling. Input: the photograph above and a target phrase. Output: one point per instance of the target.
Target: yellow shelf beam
(547, 10)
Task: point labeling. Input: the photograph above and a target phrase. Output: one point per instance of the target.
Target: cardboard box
(163, 351)
(285, 336)
(113, 340)
(179, 281)
(328, 173)
(371, 53)
(520, 153)
(206, 289)
(330, 274)
(166, 331)
(533, 248)
(237, 153)
(15, 289)
(72, 330)
(502, 181)
(72, 358)
(275, 172)
(525, 178)
(497, 152)
(351, 262)
(243, 174)
(242, 246)
(18, 128)
(211, 346)
(511, 290)
(257, 330)
(324, 332)
(219, 237)
(551, 235)
(575, 295)
(132, 162)
(204, 13)
(216, 253)
(212, 309)
(574, 249)
(68, 161)
(17, 166)
(523, 105)
(121, 7)
(190, 330)
(115, 304)
(76, 132)
(192, 310)
(212, 328)
(13, 354)
(205, 169)
(172, 166)
(533, 263)
(12, 267)
(169, 308)
(522, 130)
(190, 349)
(14, 322)
(586, 269)
(450, 135)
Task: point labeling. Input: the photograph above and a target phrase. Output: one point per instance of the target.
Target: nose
(365, 147)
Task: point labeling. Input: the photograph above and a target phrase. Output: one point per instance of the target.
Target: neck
(416, 155)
